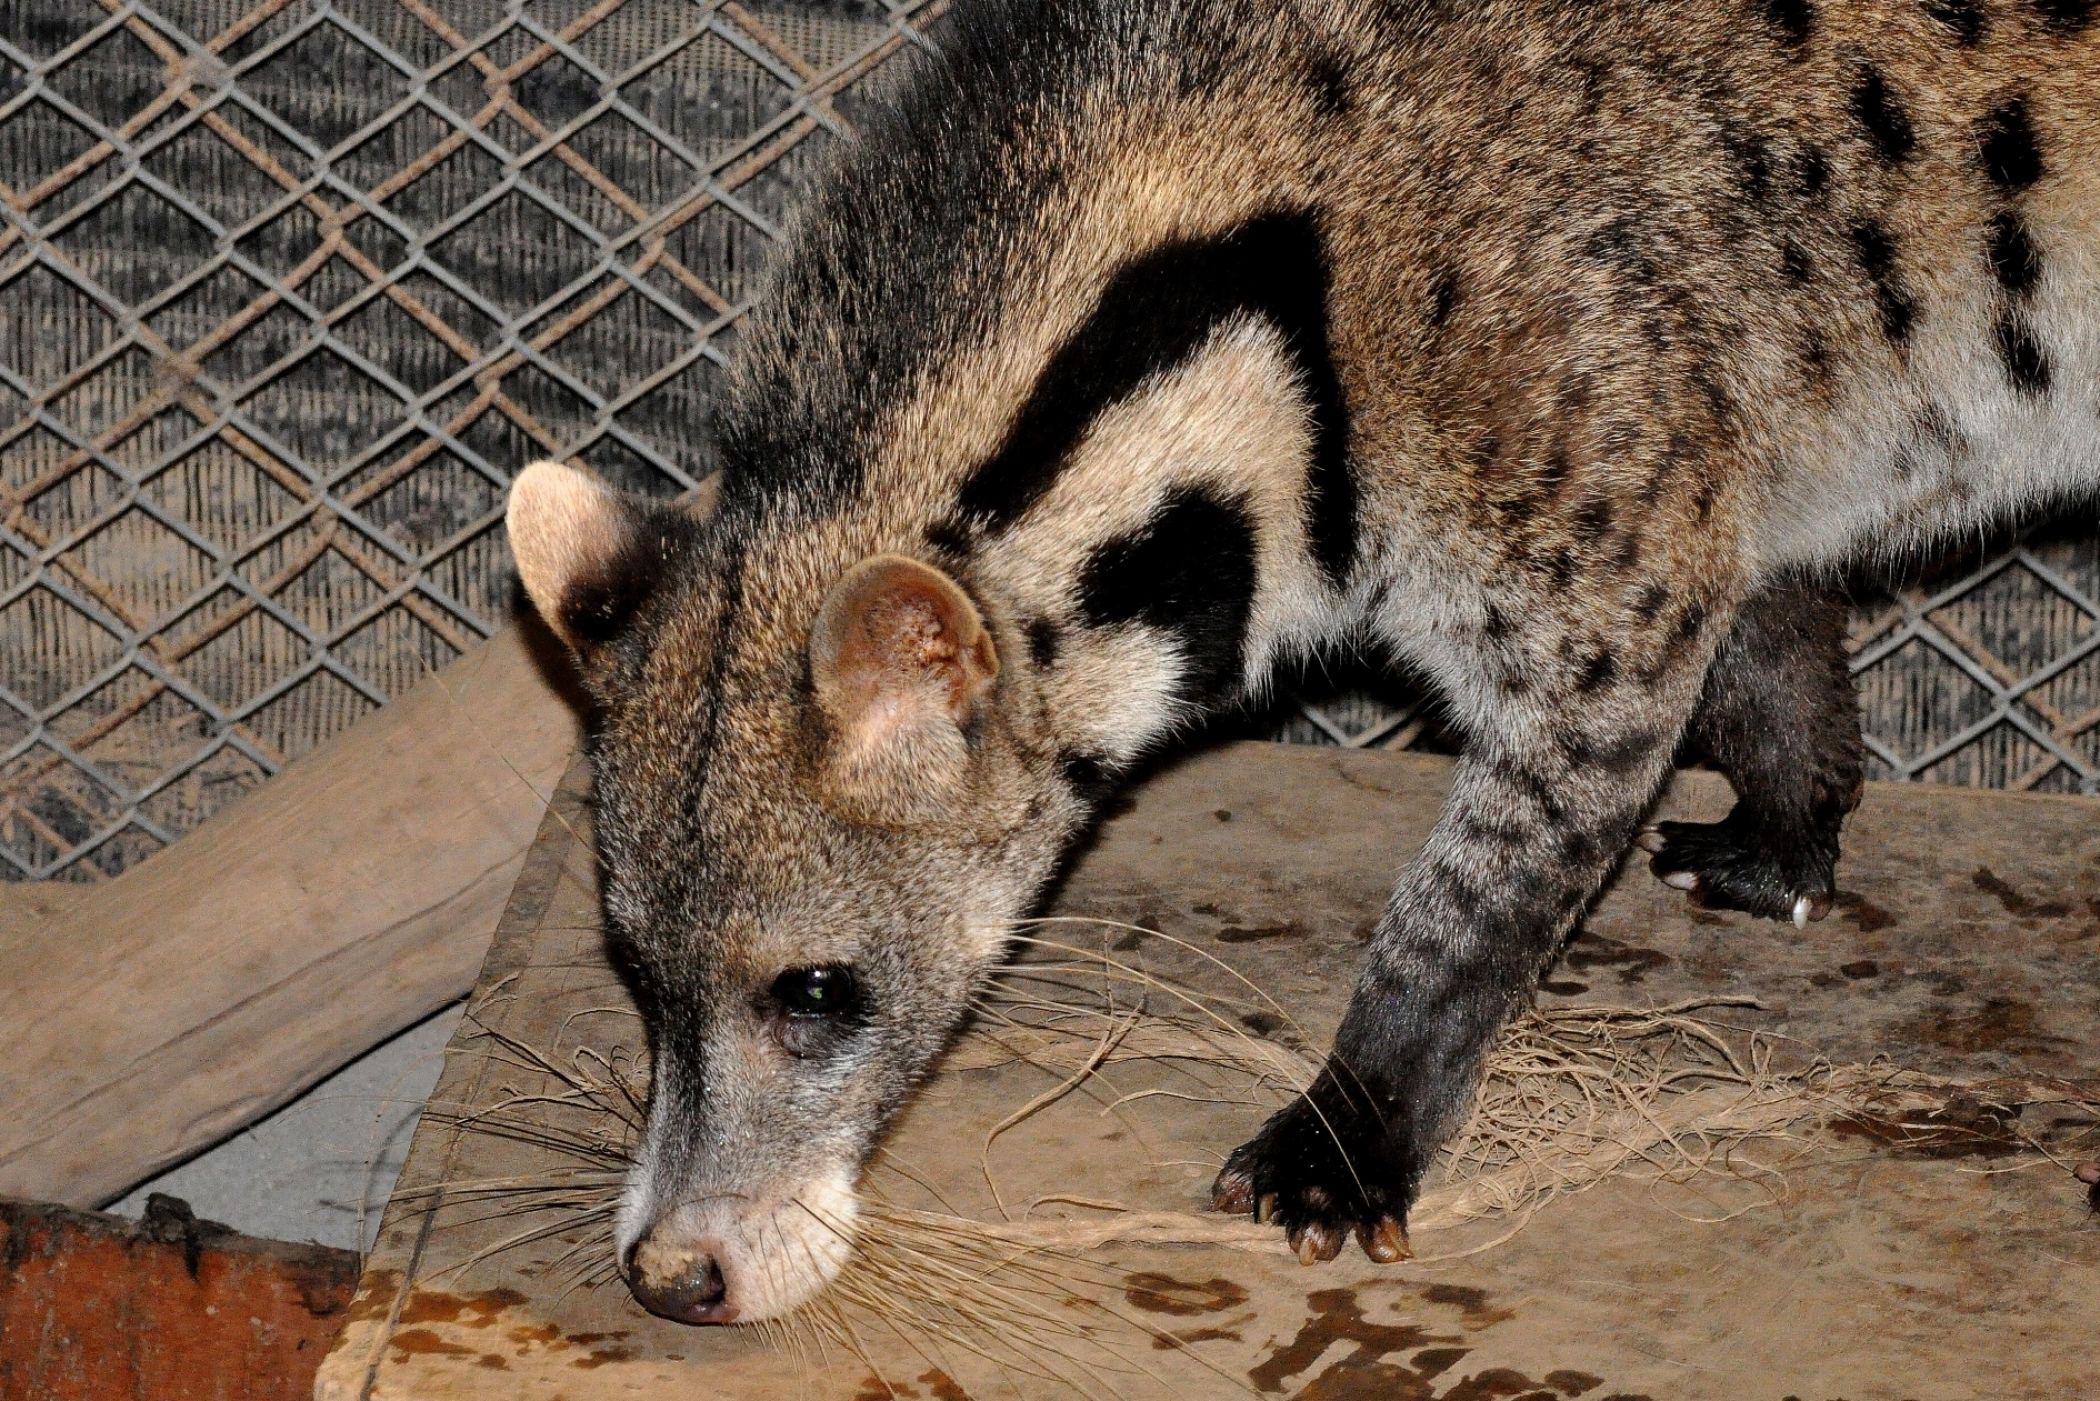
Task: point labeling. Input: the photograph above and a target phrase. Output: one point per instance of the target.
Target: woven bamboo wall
(289, 289)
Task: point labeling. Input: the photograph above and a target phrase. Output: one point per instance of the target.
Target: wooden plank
(346, 899)
(94, 1308)
(1968, 943)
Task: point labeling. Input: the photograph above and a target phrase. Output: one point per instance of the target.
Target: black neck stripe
(1156, 314)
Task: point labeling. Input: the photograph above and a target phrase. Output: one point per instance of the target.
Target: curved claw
(1317, 1241)
(1810, 907)
(1232, 1193)
(1385, 1242)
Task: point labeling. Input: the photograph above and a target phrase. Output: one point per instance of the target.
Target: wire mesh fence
(290, 288)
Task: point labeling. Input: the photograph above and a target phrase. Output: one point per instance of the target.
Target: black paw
(1738, 865)
(1321, 1169)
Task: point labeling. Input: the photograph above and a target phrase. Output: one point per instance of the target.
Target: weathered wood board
(166, 1308)
(1968, 944)
(352, 896)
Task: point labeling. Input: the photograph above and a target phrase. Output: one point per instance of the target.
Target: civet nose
(679, 1282)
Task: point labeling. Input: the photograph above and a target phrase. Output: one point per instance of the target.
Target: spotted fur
(1559, 346)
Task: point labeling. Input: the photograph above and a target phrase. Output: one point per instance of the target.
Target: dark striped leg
(1536, 820)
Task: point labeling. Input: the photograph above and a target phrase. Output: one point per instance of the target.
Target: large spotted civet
(1561, 347)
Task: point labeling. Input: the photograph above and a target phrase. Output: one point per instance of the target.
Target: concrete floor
(319, 1169)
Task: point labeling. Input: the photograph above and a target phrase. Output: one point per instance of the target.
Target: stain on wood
(1618, 1294)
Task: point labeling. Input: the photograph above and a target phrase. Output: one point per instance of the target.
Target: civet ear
(587, 554)
(899, 658)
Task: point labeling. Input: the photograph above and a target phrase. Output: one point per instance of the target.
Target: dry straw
(1707, 1114)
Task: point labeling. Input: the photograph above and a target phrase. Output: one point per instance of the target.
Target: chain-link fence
(289, 288)
(288, 292)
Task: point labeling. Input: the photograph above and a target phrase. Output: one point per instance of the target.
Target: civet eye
(817, 992)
